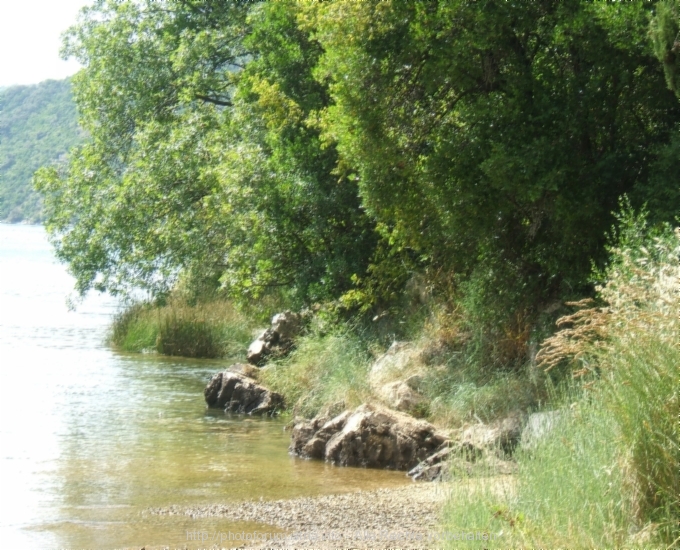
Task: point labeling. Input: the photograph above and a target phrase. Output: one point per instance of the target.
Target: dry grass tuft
(642, 294)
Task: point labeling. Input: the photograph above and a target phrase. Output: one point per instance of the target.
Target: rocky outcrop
(233, 391)
(370, 436)
(277, 340)
(480, 449)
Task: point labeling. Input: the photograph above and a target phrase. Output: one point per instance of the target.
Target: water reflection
(91, 438)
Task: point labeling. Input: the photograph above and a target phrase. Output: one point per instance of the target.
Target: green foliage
(335, 152)
(136, 204)
(665, 33)
(38, 125)
(197, 164)
(205, 329)
(493, 130)
(312, 235)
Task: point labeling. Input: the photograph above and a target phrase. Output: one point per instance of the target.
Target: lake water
(91, 438)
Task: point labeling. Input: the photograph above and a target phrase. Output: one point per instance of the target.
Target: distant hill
(38, 125)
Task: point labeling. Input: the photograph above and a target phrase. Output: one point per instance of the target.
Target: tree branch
(214, 100)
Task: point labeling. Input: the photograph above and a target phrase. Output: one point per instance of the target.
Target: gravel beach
(400, 517)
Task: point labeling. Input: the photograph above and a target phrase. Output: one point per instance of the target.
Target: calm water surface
(91, 438)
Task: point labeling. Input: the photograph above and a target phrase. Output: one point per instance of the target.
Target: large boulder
(370, 436)
(278, 339)
(235, 392)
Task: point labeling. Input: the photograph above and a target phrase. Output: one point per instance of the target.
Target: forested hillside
(38, 125)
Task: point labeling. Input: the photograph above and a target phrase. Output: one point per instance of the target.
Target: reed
(210, 329)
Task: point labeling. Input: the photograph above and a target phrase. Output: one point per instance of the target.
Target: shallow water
(91, 438)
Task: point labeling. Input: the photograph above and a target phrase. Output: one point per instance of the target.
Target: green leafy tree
(202, 160)
(495, 138)
(132, 208)
(665, 34)
(311, 236)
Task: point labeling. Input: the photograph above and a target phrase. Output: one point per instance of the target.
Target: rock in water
(277, 339)
(235, 392)
(370, 436)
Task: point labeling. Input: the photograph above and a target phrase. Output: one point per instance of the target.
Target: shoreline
(360, 519)
(387, 517)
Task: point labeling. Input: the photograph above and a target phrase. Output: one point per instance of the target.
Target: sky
(30, 39)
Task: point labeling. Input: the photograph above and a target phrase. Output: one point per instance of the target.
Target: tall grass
(569, 491)
(205, 329)
(642, 394)
(324, 369)
(633, 344)
(609, 475)
(457, 395)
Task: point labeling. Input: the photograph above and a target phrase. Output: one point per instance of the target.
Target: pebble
(413, 509)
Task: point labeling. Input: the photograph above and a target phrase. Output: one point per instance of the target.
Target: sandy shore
(401, 517)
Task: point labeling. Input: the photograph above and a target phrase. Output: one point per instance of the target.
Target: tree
(495, 138)
(300, 148)
(191, 167)
(665, 34)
